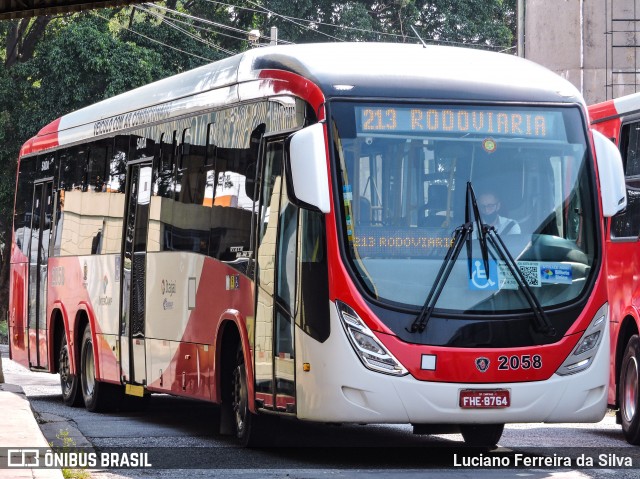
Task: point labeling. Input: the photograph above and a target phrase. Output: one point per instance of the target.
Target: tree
(22, 38)
(483, 23)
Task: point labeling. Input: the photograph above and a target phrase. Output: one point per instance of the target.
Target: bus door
(132, 325)
(274, 356)
(41, 214)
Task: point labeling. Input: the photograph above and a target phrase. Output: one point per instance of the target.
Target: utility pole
(520, 27)
(274, 36)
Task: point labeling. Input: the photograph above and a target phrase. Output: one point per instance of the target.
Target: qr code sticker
(530, 270)
(531, 273)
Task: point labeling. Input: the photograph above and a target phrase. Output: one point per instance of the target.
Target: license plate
(484, 398)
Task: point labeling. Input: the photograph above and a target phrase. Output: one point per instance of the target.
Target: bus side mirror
(308, 181)
(613, 190)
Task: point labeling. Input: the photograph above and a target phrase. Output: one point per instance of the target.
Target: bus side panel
(224, 293)
(110, 370)
(193, 365)
(187, 296)
(621, 254)
(170, 277)
(90, 283)
(17, 314)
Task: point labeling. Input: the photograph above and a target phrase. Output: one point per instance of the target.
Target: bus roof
(374, 70)
(618, 107)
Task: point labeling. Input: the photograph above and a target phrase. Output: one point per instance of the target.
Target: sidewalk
(19, 429)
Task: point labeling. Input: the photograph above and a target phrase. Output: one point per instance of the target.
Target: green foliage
(86, 63)
(484, 23)
(4, 332)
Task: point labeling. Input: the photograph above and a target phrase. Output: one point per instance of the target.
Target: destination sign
(401, 242)
(512, 122)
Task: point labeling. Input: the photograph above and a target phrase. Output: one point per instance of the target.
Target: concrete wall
(574, 39)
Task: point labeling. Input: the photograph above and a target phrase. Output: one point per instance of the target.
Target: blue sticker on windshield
(556, 273)
(480, 280)
(347, 192)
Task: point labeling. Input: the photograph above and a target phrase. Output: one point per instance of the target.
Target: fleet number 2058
(526, 361)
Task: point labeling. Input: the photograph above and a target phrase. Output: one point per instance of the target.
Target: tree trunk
(23, 37)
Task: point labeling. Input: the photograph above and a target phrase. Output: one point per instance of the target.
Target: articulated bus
(619, 120)
(310, 231)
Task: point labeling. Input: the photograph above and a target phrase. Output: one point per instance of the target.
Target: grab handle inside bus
(611, 172)
(306, 165)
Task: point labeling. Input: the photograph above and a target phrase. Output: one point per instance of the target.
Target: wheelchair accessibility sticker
(500, 277)
(480, 280)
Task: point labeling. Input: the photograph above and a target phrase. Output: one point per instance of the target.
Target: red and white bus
(619, 120)
(363, 233)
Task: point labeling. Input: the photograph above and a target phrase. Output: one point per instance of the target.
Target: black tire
(481, 435)
(98, 396)
(251, 430)
(628, 391)
(71, 395)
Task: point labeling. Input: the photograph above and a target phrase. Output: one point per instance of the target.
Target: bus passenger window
(626, 224)
(75, 230)
(24, 198)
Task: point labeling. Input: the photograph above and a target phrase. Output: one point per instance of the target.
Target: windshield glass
(404, 170)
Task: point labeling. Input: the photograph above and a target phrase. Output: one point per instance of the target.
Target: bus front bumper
(338, 388)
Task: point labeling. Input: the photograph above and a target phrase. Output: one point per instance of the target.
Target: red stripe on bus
(605, 109)
(287, 82)
(45, 139)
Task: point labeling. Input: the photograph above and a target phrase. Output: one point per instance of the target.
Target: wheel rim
(630, 391)
(239, 399)
(65, 371)
(88, 370)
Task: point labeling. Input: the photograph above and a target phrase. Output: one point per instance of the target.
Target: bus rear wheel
(628, 391)
(481, 435)
(98, 396)
(71, 394)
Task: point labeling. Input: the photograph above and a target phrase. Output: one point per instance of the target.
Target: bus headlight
(373, 355)
(582, 355)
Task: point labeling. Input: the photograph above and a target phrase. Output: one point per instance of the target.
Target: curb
(20, 430)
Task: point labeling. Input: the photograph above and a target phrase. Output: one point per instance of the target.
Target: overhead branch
(23, 37)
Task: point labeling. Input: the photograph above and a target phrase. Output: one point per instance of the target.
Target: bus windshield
(403, 176)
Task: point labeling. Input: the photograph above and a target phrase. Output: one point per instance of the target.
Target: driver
(489, 206)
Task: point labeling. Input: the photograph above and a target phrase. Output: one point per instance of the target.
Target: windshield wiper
(482, 233)
(542, 323)
(489, 234)
(486, 234)
(461, 235)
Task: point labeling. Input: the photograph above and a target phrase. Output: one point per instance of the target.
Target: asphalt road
(180, 433)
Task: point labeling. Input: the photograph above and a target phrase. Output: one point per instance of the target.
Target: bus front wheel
(71, 394)
(481, 435)
(250, 429)
(628, 391)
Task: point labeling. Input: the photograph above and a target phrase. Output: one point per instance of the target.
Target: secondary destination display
(513, 122)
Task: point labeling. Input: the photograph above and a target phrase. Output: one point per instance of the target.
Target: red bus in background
(619, 120)
(364, 233)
